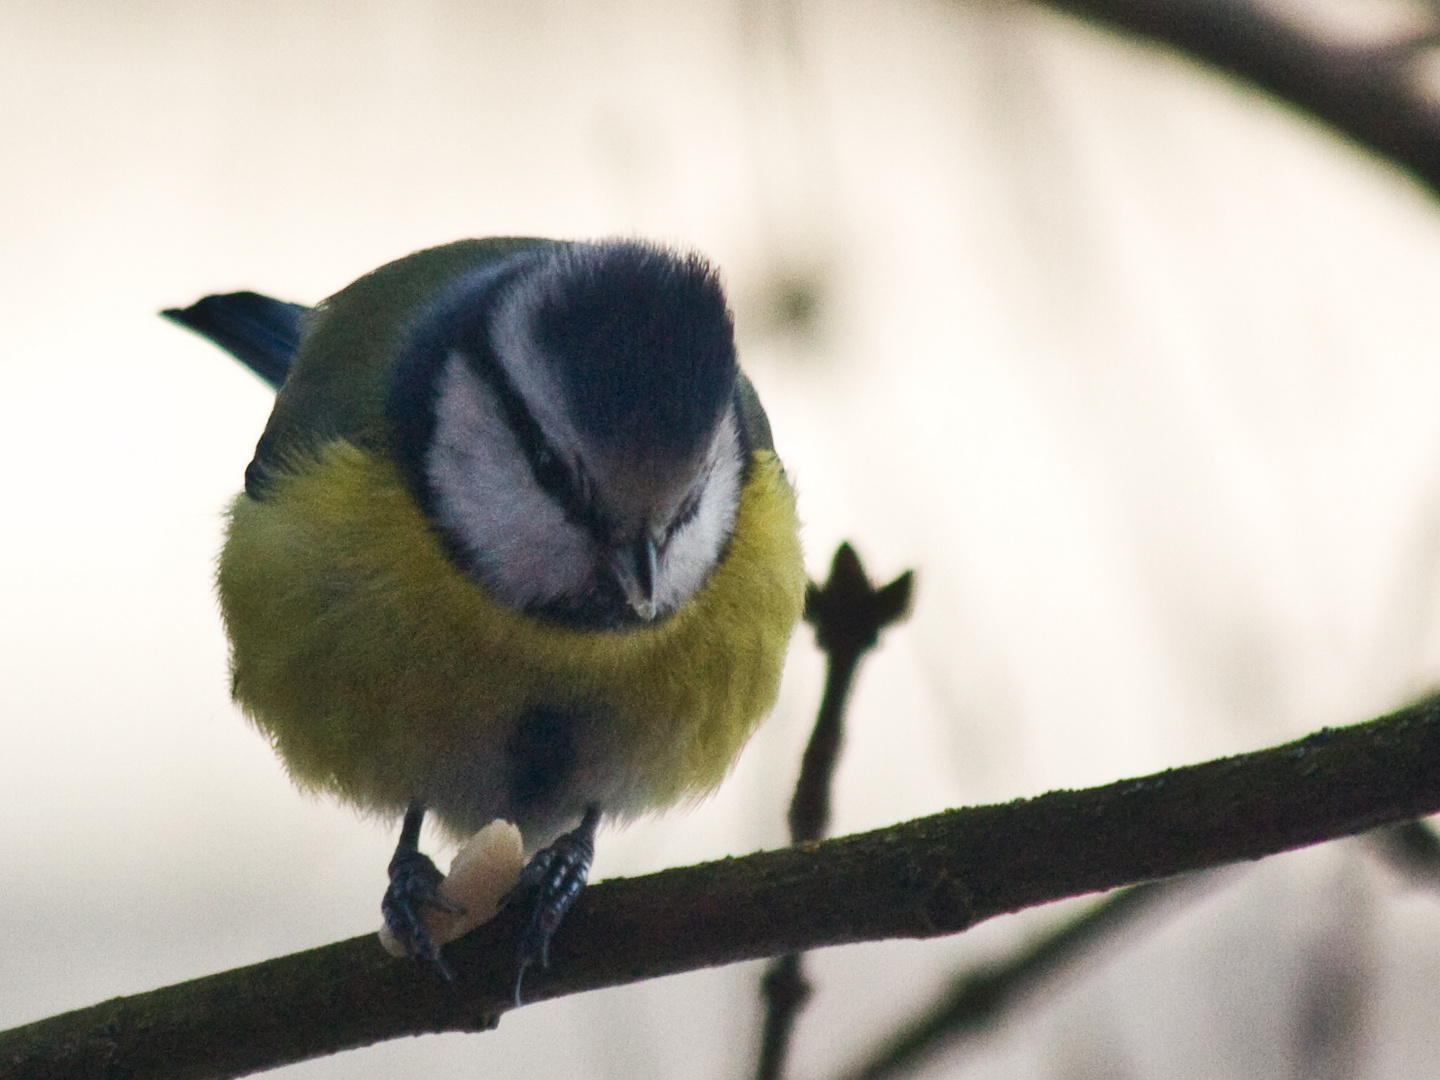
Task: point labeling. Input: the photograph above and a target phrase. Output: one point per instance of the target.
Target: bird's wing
(259, 331)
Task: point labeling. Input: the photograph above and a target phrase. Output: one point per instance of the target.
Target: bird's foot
(414, 882)
(554, 877)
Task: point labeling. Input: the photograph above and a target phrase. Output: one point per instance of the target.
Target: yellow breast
(383, 673)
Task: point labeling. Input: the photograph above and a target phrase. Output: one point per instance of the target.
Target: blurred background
(1136, 367)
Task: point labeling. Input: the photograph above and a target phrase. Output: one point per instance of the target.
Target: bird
(514, 545)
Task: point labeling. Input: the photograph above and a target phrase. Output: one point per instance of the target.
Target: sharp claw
(556, 875)
(413, 883)
(442, 965)
(519, 978)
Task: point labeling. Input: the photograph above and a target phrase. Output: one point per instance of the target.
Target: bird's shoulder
(340, 382)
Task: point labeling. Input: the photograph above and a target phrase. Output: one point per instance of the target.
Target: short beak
(635, 570)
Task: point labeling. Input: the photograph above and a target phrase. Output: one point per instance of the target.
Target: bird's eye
(688, 510)
(549, 471)
(584, 485)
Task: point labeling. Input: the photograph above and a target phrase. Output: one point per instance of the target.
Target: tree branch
(1371, 94)
(848, 614)
(932, 876)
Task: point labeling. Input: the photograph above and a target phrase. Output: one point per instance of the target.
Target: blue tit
(514, 544)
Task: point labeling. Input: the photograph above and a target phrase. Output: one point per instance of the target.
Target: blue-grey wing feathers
(259, 331)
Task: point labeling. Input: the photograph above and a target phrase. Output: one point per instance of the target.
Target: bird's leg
(413, 882)
(555, 876)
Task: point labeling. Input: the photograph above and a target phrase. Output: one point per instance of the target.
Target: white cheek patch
(695, 547)
(523, 546)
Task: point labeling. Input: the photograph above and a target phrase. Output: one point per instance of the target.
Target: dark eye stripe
(566, 485)
(689, 508)
(459, 321)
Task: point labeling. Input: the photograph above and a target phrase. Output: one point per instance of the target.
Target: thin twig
(785, 990)
(932, 876)
(848, 614)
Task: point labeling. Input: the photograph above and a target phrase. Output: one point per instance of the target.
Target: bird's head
(582, 453)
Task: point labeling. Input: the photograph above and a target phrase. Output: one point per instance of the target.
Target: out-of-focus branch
(785, 990)
(1412, 849)
(848, 614)
(935, 875)
(976, 1000)
(1373, 94)
(979, 999)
